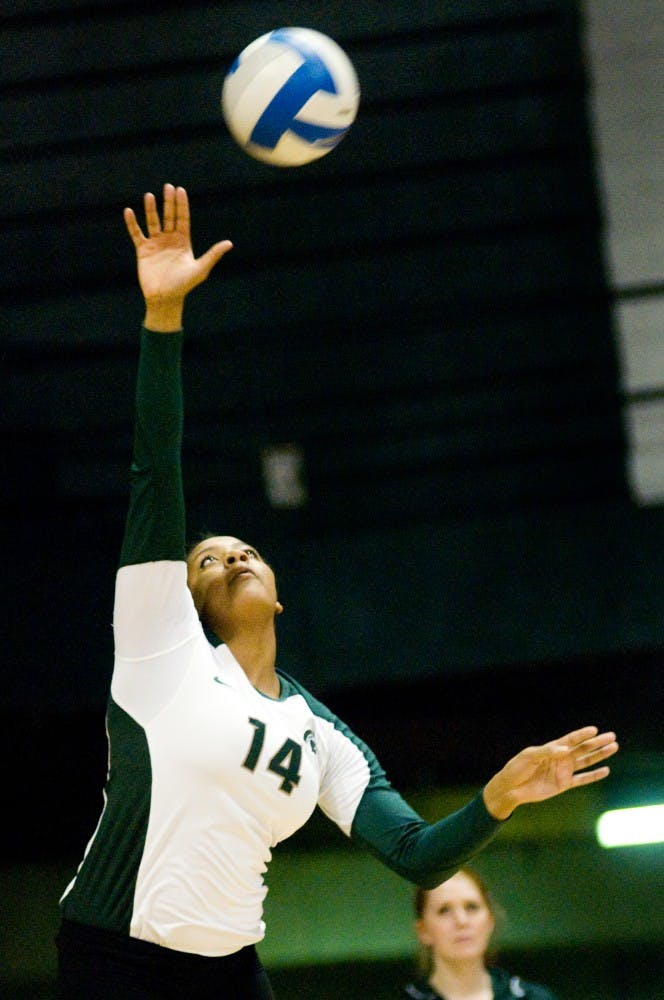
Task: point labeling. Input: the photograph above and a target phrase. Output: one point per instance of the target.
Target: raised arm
(167, 272)
(167, 268)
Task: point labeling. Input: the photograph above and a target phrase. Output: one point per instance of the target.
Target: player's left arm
(424, 853)
(356, 794)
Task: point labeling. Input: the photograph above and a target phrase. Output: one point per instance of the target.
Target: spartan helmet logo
(309, 738)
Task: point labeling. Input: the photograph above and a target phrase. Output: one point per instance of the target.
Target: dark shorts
(105, 965)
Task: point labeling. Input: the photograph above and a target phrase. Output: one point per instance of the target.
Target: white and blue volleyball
(290, 96)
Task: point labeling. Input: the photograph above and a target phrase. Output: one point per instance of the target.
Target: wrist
(498, 804)
(163, 315)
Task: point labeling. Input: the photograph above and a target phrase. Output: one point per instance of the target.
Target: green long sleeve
(155, 527)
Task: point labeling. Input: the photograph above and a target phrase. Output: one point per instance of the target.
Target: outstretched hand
(167, 268)
(540, 772)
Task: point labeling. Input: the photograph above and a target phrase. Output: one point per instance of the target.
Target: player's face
(231, 584)
(456, 922)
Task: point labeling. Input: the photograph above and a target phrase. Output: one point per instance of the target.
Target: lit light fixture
(631, 826)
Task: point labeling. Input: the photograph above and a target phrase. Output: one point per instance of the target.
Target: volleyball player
(215, 755)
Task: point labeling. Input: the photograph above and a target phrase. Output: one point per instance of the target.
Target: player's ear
(422, 934)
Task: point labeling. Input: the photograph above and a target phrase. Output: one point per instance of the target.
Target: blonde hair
(424, 957)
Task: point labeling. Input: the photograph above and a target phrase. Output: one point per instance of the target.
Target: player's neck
(462, 981)
(256, 653)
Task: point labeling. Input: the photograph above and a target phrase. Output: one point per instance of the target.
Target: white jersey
(232, 772)
(206, 774)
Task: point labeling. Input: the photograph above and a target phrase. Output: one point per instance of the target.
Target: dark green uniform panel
(123, 822)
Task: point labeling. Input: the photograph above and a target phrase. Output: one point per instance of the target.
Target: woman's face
(456, 922)
(230, 583)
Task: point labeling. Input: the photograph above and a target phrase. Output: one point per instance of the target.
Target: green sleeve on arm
(425, 854)
(155, 527)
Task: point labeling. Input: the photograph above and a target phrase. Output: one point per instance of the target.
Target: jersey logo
(219, 681)
(309, 738)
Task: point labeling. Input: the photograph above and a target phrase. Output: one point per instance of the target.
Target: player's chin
(251, 599)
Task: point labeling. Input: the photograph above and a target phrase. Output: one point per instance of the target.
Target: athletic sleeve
(153, 610)
(356, 794)
(424, 853)
(155, 527)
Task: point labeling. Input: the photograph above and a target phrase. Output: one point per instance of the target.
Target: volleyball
(290, 96)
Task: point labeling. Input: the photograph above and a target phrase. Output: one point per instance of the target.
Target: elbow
(426, 878)
(418, 872)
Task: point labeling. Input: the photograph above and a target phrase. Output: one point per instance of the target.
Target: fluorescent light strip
(629, 827)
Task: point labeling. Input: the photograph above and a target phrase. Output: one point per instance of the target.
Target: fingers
(151, 214)
(589, 777)
(171, 231)
(175, 214)
(133, 227)
(213, 255)
(589, 751)
(578, 736)
(176, 210)
(182, 211)
(170, 207)
(583, 741)
(595, 747)
(596, 750)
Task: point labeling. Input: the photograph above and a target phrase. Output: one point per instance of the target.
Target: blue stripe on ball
(279, 116)
(309, 53)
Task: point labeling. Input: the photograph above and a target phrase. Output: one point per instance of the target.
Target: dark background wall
(424, 313)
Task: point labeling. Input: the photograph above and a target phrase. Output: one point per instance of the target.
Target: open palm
(167, 268)
(540, 772)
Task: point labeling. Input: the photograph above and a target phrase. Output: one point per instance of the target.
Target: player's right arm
(167, 272)
(153, 608)
(155, 526)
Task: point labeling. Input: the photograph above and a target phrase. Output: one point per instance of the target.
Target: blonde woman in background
(454, 923)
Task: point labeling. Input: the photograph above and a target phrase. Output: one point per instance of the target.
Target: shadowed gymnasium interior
(428, 385)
